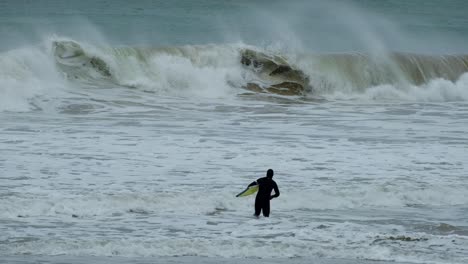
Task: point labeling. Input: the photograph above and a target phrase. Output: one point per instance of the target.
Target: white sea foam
(275, 239)
(197, 203)
(24, 74)
(437, 90)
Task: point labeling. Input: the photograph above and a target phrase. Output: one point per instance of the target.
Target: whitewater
(127, 129)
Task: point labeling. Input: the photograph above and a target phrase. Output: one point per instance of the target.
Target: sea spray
(26, 73)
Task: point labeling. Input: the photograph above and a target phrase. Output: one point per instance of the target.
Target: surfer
(265, 186)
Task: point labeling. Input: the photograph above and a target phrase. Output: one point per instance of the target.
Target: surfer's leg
(266, 209)
(258, 208)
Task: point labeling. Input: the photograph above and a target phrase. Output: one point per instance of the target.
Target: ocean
(128, 127)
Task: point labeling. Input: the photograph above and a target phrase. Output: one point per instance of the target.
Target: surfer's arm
(277, 192)
(253, 183)
(257, 182)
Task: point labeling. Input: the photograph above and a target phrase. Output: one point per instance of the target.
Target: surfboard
(248, 191)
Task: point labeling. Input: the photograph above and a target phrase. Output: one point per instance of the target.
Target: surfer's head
(269, 173)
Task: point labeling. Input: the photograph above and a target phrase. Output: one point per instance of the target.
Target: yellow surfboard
(250, 190)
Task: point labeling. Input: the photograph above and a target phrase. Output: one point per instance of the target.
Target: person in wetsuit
(265, 186)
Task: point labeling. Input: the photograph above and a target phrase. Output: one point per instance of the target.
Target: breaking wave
(172, 70)
(217, 71)
(145, 67)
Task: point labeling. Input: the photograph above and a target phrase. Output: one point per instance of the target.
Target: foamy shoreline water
(182, 260)
(138, 184)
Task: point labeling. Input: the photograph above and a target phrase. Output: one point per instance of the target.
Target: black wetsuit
(262, 201)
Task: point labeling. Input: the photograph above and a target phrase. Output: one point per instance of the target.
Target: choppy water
(126, 130)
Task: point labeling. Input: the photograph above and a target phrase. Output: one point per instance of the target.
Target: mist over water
(128, 128)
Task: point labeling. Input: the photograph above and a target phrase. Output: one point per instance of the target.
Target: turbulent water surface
(127, 129)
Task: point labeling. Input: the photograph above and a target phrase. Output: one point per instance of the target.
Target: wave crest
(263, 71)
(218, 71)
